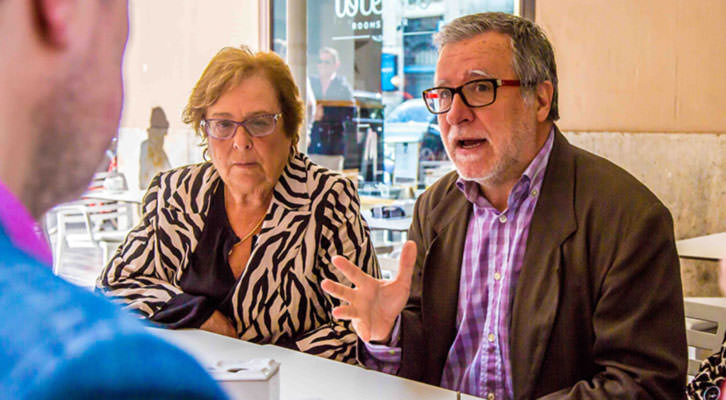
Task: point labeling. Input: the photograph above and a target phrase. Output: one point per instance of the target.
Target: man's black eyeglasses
(476, 93)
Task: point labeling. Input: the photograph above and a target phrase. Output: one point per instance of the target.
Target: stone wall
(687, 172)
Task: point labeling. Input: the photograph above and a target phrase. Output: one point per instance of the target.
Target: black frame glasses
(268, 123)
(433, 95)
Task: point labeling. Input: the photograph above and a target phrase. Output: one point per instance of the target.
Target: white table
(126, 196)
(131, 197)
(387, 224)
(711, 301)
(709, 247)
(304, 376)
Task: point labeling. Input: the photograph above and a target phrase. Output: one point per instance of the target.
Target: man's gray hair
(533, 59)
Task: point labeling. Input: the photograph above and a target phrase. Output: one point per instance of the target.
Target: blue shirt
(61, 341)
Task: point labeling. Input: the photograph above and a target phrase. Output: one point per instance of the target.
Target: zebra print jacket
(314, 215)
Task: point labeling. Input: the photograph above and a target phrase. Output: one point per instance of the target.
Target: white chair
(88, 223)
(705, 328)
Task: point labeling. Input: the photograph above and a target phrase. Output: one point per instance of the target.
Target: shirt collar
(22, 230)
(534, 170)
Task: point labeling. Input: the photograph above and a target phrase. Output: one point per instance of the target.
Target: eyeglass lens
(260, 125)
(475, 94)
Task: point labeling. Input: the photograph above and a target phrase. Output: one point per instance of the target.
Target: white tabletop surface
(712, 301)
(304, 376)
(709, 247)
(388, 224)
(127, 196)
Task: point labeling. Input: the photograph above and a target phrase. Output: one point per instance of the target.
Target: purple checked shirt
(478, 360)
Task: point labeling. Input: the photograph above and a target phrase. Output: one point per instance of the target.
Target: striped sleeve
(132, 276)
(345, 233)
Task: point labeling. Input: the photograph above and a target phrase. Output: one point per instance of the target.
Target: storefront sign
(351, 8)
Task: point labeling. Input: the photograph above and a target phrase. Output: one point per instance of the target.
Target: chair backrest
(705, 328)
(96, 215)
(97, 180)
(87, 223)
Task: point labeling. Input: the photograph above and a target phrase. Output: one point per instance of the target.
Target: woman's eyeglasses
(256, 126)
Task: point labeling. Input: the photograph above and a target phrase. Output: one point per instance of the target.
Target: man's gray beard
(505, 169)
(496, 176)
(63, 163)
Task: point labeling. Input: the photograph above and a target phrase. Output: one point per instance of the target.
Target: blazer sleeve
(412, 337)
(638, 320)
(344, 232)
(133, 274)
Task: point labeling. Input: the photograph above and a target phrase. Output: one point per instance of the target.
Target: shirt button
(534, 192)
(490, 396)
(491, 337)
(502, 218)
(497, 276)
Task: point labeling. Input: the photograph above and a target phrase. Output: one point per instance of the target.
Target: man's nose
(459, 111)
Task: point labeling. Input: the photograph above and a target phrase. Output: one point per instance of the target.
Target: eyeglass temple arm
(509, 82)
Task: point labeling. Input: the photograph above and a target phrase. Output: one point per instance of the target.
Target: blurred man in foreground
(60, 74)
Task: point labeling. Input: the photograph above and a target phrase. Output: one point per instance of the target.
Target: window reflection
(386, 56)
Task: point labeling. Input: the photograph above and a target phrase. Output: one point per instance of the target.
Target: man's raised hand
(372, 304)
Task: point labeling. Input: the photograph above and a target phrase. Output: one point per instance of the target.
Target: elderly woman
(240, 245)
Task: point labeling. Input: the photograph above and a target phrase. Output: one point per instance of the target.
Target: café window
(367, 63)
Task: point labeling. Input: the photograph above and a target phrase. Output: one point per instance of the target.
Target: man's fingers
(335, 289)
(406, 263)
(353, 273)
(345, 312)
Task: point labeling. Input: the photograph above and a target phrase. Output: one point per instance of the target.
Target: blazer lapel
(290, 207)
(290, 203)
(442, 269)
(537, 290)
(185, 198)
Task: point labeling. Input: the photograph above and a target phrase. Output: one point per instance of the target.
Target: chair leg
(106, 250)
(59, 240)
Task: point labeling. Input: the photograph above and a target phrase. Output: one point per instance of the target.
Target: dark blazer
(329, 135)
(598, 307)
(338, 89)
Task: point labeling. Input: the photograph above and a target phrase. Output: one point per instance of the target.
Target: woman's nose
(242, 139)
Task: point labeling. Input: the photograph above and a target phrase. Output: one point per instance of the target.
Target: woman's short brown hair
(229, 67)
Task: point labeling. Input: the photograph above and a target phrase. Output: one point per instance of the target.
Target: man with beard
(536, 269)
(60, 74)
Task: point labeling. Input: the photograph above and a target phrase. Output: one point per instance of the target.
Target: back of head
(56, 122)
(228, 68)
(158, 118)
(533, 60)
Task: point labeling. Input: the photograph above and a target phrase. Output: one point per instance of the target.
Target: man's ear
(54, 18)
(543, 100)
